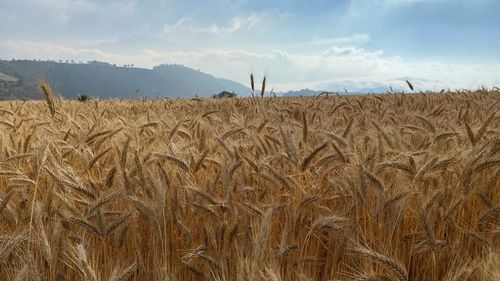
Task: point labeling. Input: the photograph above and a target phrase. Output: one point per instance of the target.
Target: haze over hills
(341, 91)
(356, 87)
(19, 80)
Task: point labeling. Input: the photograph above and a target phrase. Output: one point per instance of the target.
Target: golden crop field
(374, 187)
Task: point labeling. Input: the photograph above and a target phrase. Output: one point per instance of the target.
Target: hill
(19, 80)
(331, 90)
(300, 93)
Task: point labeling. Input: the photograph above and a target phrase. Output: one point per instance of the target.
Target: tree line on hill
(19, 79)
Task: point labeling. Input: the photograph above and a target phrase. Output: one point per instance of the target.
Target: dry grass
(385, 187)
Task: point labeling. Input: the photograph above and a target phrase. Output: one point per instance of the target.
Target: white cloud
(326, 42)
(352, 52)
(349, 66)
(235, 24)
(353, 39)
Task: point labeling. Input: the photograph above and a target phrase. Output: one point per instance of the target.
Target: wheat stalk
(49, 97)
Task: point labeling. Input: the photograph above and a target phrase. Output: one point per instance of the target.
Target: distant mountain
(19, 79)
(298, 93)
(343, 89)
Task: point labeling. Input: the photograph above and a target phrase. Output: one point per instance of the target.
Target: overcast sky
(298, 44)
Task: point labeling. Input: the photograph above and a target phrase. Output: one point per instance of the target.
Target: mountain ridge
(19, 79)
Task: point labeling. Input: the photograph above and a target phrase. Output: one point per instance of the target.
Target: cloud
(35, 17)
(322, 42)
(352, 67)
(235, 24)
(352, 52)
(62, 10)
(353, 39)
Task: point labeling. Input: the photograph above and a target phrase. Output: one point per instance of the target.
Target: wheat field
(373, 187)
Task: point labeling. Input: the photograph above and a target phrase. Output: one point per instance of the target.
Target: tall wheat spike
(49, 97)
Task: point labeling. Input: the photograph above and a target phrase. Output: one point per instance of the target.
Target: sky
(322, 44)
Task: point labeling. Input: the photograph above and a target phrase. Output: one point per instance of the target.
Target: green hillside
(19, 80)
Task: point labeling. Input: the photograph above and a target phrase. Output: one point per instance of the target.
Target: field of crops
(376, 187)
